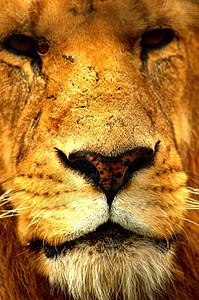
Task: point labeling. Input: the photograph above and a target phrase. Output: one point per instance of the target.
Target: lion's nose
(109, 173)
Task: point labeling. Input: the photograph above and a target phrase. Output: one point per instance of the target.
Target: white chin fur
(135, 272)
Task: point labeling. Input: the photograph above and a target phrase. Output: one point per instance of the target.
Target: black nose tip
(109, 173)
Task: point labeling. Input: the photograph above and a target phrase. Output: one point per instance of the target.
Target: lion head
(99, 128)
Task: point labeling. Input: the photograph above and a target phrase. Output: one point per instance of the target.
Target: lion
(99, 151)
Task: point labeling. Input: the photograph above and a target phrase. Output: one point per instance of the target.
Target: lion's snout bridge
(109, 173)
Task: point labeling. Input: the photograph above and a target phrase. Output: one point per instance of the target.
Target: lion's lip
(106, 236)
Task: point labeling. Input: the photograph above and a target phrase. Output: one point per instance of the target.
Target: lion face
(96, 117)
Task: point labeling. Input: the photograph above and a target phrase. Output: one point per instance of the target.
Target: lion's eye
(20, 44)
(157, 38)
(42, 47)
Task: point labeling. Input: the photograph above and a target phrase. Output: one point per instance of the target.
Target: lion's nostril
(109, 173)
(79, 163)
(87, 168)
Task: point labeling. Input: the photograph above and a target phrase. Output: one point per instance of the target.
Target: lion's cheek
(151, 206)
(60, 220)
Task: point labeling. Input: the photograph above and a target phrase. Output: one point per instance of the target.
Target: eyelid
(157, 38)
(20, 44)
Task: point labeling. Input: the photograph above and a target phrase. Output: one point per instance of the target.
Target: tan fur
(95, 90)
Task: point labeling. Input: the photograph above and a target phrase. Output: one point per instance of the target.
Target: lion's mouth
(107, 236)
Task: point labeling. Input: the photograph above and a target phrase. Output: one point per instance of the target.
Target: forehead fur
(55, 17)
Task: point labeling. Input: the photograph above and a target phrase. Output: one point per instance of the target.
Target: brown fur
(97, 90)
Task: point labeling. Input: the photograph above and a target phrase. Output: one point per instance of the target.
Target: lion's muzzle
(109, 173)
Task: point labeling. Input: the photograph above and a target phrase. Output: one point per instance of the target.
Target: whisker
(191, 206)
(192, 200)
(195, 176)
(8, 214)
(40, 220)
(23, 252)
(190, 221)
(193, 190)
(9, 179)
(184, 231)
(5, 196)
(12, 212)
(33, 220)
(5, 199)
(167, 220)
(192, 203)
(8, 194)
(3, 202)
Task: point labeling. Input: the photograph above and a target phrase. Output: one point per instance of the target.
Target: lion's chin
(107, 236)
(110, 263)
